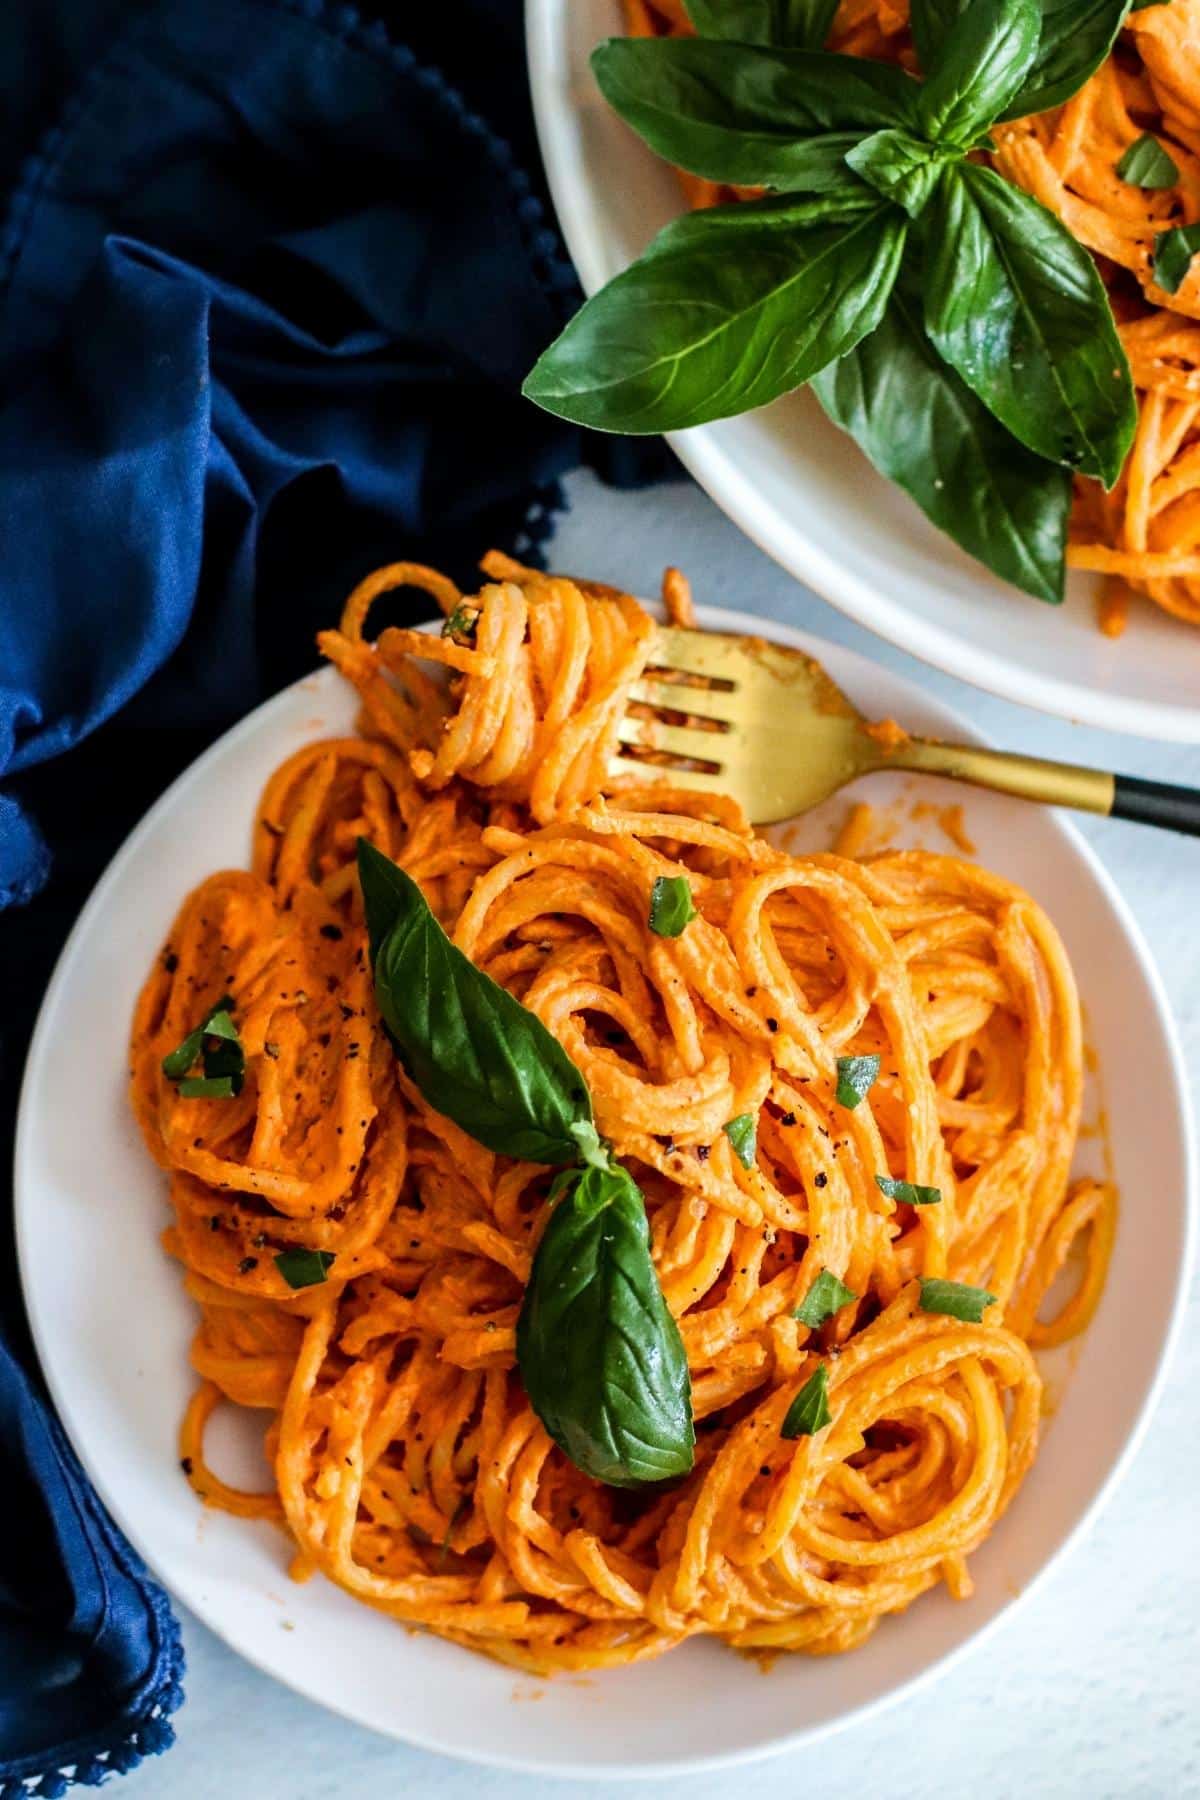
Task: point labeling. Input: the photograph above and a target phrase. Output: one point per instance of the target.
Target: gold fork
(770, 727)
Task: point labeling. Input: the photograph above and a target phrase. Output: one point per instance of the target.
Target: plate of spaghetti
(601, 1254)
(1122, 651)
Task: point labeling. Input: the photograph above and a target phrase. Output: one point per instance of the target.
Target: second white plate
(803, 491)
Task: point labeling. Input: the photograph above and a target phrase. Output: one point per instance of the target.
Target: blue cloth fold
(271, 272)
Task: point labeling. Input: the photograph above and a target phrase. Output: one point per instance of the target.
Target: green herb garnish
(826, 1296)
(461, 624)
(304, 1268)
(1147, 165)
(809, 1411)
(742, 1133)
(956, 1299)
(216, 1043)
(671, 905)
(856, 1075)
(946, 319)
(908, 1193)
(1173, 253)
(599, 1353)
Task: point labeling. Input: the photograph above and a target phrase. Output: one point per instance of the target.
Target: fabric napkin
(271, 272)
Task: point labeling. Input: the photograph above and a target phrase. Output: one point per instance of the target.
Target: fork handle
(1156, 803)
(1054, 783)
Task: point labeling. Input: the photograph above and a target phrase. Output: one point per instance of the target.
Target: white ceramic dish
(801, 489)
(112, 1323)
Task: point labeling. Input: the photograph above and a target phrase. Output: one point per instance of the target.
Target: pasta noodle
(1144, 536)
(408, 1465)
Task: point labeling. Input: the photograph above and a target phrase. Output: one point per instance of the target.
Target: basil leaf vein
(729, 308)
(600, 1355)
(1016, 305)
(477, 1055)
(979, 65)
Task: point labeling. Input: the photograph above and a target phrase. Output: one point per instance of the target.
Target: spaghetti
(408, 1465)
(1144, 536)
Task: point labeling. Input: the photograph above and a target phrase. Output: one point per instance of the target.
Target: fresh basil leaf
(802, 24)
(931, 21)
(752, 117)
(304, 1268)
(477, 1055)
(809, 1411)
(856, 1076)
(978, 67)
(1173, 253)
(1076, 37)
(742, 1133)
(729, 308)
(908, 1193)
(1016, 305)
(1147, 165)
(826, 1296)
(600, 1355)
(955, 1298)
(922, 427)
(207, 1087)
(900, 166)
(670, 905)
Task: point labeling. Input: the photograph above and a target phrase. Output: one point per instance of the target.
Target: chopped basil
(461, 624)
(826, 1296)
(304, 1268)
(207, 1087)
(1173, 253)
(1147, 165)
(670, 905)
(742, 1133)
(956, 1299)
(224, 1060)
(809, 1411)
(908, 1193)
(856, 1076)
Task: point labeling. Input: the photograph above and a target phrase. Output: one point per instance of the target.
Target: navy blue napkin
(271, 272)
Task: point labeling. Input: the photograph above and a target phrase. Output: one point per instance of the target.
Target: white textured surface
(1091, 1690)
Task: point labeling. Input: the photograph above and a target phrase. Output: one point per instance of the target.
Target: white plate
(802, 490)
(112, 1323)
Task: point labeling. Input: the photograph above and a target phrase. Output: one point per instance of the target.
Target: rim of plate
(715, 618)
(717, 470)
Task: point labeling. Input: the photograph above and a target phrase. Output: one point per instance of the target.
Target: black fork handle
(1156, 803)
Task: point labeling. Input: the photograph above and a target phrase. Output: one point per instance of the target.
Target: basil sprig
(599, 1352)
(947, 320)
(600, 1355)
